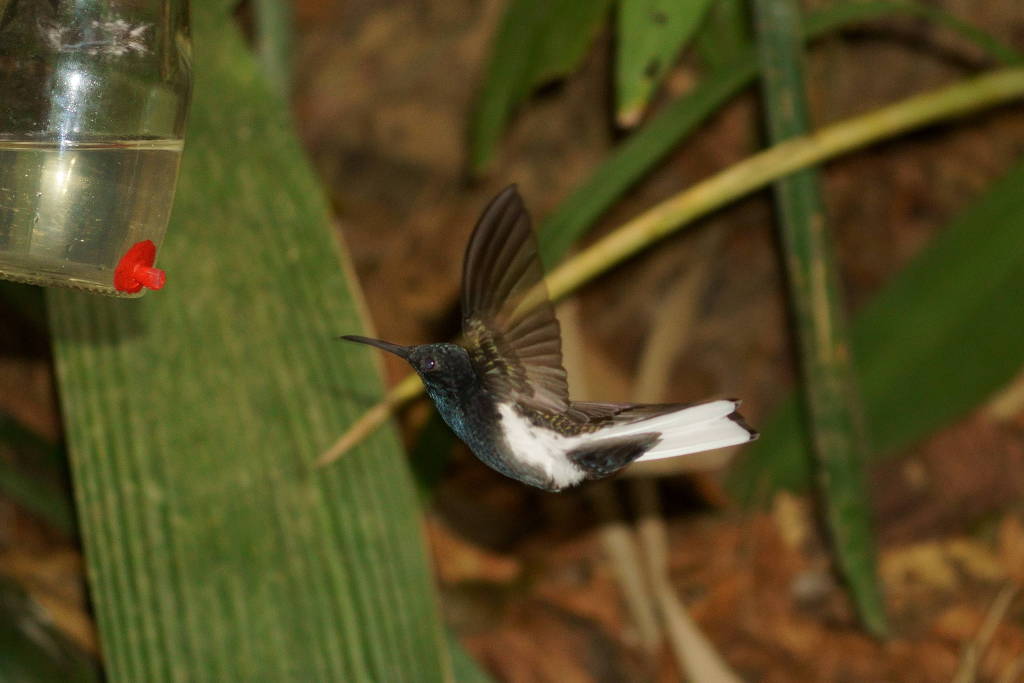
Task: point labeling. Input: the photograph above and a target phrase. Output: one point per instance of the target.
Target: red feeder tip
(135, 269)
(150, 277)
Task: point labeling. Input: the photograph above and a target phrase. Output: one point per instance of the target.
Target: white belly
(540, 448)
(688, 430)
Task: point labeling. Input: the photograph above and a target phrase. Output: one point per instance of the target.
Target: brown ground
(382, 94)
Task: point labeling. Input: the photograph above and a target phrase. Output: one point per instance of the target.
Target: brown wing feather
(596, 414)
(518, 355)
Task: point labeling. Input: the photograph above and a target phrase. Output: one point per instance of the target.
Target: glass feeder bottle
(93, 100)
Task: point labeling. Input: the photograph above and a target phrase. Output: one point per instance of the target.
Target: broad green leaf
(538, 41)
(215, 551)
(660, 135)
(939, 339)
(650, 35)
(829, 394)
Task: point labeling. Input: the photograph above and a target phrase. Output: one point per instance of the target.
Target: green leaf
(537, 42)
(215, 551)
(651, 34)
(660, 135)
(633, 159)
(869, 9)
(938, 340)
(274, 27)
(830, 397)
(724, 35)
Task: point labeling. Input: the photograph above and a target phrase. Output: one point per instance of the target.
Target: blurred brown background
(382, 91)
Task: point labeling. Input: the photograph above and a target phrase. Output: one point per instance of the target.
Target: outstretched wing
(517, 352)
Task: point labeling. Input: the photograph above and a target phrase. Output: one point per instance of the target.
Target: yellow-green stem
(753, 173)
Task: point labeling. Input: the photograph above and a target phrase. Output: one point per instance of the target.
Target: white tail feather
(690, 430)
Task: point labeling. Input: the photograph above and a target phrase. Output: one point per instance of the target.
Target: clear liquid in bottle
(69, 212)
(93, 101)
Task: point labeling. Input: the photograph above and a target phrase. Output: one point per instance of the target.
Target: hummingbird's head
(445, 369)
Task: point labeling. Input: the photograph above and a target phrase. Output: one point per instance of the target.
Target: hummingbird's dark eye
(429, 364)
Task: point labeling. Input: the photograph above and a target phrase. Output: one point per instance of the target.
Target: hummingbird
(503, 390)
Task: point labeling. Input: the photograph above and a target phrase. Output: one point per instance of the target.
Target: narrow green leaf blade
(538, 41)
(651, 34)
(503, 86)
(724, 34)
(657, 137)
(274, 29)
(939, 339)
(216, 552)
(830, 397)
(634, 158)
(864, 10)
(566, 29)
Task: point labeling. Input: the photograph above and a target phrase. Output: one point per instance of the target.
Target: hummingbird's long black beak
(400, 351)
